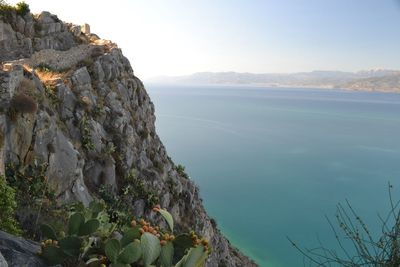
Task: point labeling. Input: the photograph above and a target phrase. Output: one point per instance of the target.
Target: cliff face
(93, 125)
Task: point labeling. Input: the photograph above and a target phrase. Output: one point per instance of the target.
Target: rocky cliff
(70, 101)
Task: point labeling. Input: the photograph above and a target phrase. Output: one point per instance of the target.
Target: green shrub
(181, 171)
(6, 9)
(118, 205)
(87, 141)
(7, 208)
(30, 183)
(43, 67)
(144, 134)
(50, 92)
(22, 8)
(139, 190)
(36, 202)
(172, 187)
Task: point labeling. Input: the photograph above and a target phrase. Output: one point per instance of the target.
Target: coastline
(274, 86)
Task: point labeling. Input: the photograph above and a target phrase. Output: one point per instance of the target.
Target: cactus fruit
(88, 245)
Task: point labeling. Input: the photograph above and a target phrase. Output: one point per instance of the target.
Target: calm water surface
(272, 163)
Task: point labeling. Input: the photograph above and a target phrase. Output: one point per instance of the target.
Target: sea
(274, 164)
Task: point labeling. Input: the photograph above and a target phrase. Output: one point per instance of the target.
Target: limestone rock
(81, 77)
(19, 137)
(19, 252)
(3, 262)
(2, 140)
(65, 171)
(85, 28)
(138, 207)
(68, 102)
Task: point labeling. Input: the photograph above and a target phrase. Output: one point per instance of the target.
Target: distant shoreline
(380, 80)
(283, 86)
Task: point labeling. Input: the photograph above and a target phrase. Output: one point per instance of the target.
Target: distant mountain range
(371, 80)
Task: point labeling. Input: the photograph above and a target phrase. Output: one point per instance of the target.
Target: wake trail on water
(214, 125)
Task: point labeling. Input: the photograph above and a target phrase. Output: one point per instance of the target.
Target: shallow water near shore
(272, 162)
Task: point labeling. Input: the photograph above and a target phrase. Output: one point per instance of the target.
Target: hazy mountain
(389, 83)
(379, 79)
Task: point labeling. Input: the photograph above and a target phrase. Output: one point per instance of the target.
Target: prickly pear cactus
(140, 243)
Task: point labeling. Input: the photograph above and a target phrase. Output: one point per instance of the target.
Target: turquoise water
(272, 163)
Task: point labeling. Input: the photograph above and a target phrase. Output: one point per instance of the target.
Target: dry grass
(49, 77)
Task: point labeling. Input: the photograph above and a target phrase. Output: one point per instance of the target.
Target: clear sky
(174, 37)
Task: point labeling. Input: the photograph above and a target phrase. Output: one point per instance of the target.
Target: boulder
(19, 252)
(81, 77)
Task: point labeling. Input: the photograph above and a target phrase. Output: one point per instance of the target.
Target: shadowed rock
(19, 252)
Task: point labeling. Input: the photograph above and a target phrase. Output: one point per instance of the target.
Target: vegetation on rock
(181, 171)
(21, 8)
(35, 200)
(8, 206)
(99, 235)
(90, 240)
